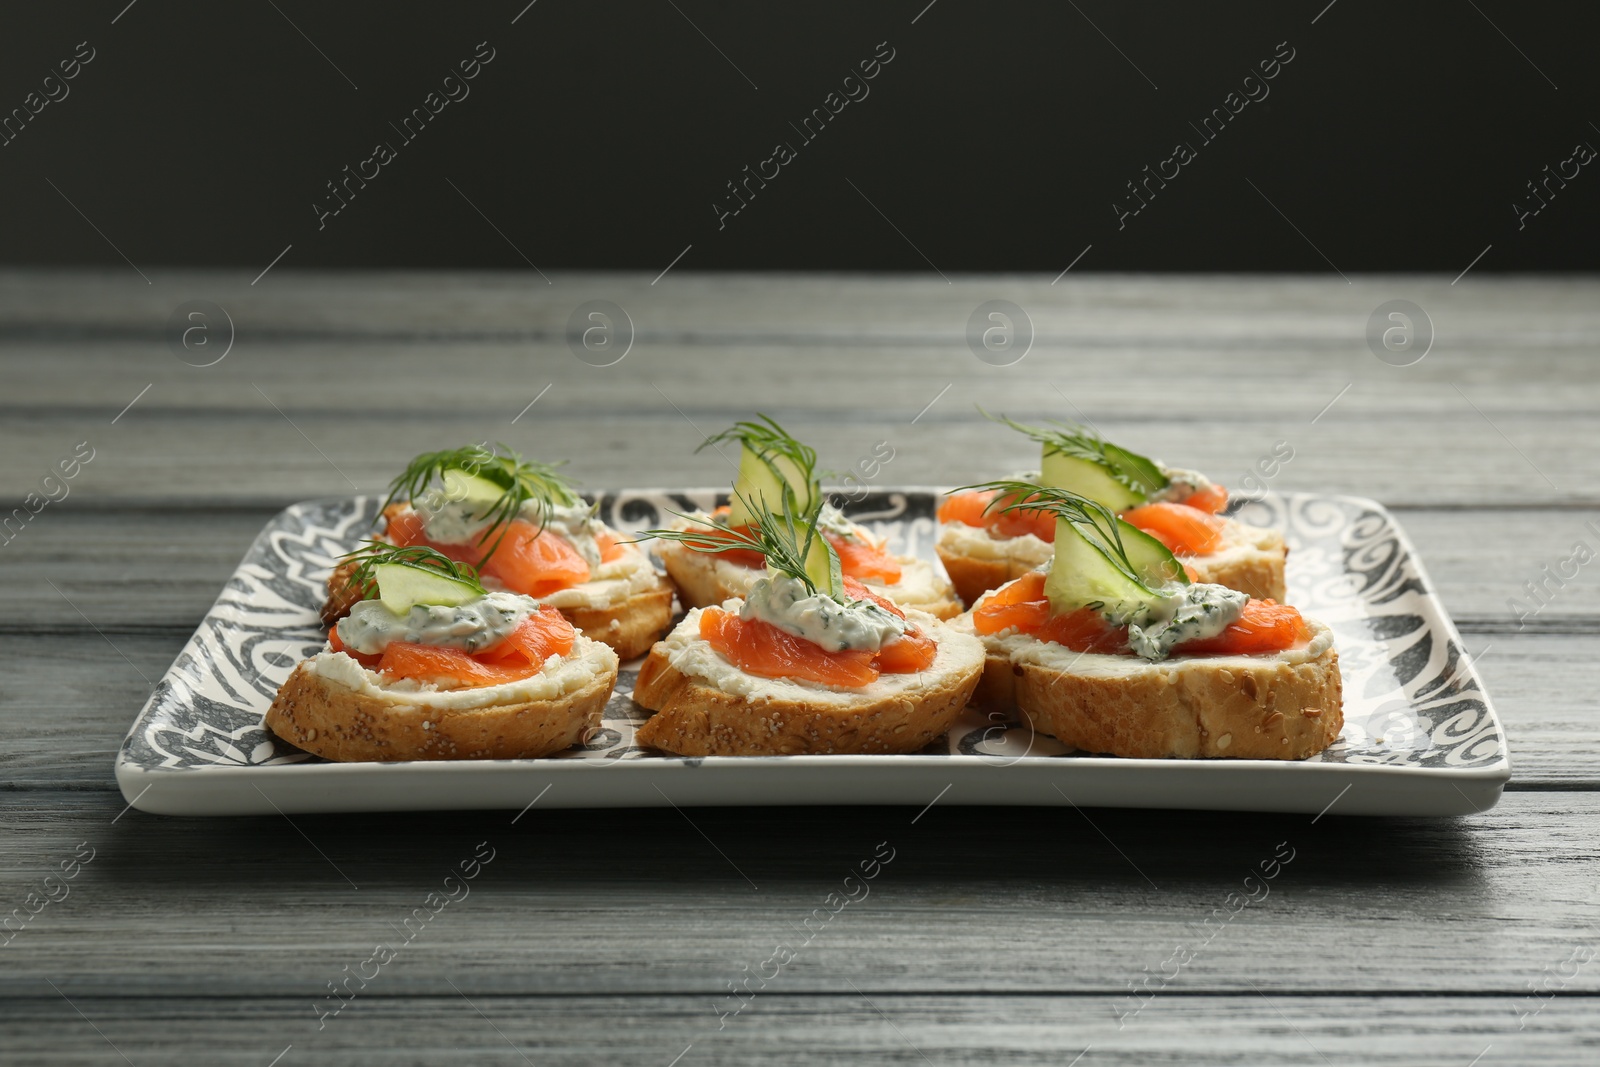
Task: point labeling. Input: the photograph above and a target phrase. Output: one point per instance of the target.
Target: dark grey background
(997, 139)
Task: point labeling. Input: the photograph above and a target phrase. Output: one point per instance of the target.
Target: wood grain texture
(133, 567)
(275, 446)
(622, 902)
(840, 1027)
(1523, 312)
(996, 935)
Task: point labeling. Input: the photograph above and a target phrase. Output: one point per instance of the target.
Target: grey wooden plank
(264, 456)
(1526, 311)
(68, 700)
(1025, 901)
(842, 1027)
(1230, 379)
(131, 567)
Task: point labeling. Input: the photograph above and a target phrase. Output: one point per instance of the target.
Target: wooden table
(997, 935)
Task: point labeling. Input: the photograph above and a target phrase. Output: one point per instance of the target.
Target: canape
(982, 547)
(428, 664)
(526, 531)
(808, 661)
(774, 467)
(1114, 650)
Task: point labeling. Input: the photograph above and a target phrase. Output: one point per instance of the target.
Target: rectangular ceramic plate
(1420, 737)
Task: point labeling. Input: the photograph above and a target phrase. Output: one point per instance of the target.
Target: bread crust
(973, 576)
(1254, 565)
(1252, 562)
(704, 581)
(336, 723)
(693, 718)
(1196, 708)
(630, 628)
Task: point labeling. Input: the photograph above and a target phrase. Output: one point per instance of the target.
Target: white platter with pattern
(1420, 735)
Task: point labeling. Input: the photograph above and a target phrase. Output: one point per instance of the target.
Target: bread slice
(978, 561)
(1287, 706)
(705, 706)
(1250, 560)
(626, 605)
(334, 708)
(704, 580)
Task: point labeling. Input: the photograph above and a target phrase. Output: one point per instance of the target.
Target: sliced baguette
(630, 625)
(319, 709)
(703, 580)
(1287, 706)
(705, 706)
(978, 562)
(1250, 560)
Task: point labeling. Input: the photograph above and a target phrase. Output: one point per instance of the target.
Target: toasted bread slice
(626, 605)
(704, 580)
(1286, 706)
(978, 562)
(333, 707)
(706, 706)
(1250, 560)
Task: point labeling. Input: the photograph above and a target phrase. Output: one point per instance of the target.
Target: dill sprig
(373, 554)
(1098, 523)
(519, 479)
(768, 440)
(1071, 439)
(785, 541)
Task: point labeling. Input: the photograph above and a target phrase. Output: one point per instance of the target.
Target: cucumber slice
(822, 567)
(763, 479)
(400, 587)
(470, 488)
(1083, 574)
(1154, 561)
(1096, 481)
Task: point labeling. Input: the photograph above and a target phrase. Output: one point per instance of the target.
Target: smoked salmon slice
(1264, 626)
(543, 634)
(1022, 604)
(1210, 500)
(761, 649)
(522, 653)
(859, 558)
(430, 663)
(527, 561)
(969, 509)
(764, 650)
(1185, 530)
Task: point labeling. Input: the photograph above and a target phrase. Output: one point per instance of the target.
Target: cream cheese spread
(857, 624)
(371, 626)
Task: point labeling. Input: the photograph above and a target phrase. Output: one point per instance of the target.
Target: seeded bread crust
(704, 581)
(629, 628)
(974, 576)
(1254, 566)
(336, 723)
(1205, 707)
(692, 718)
